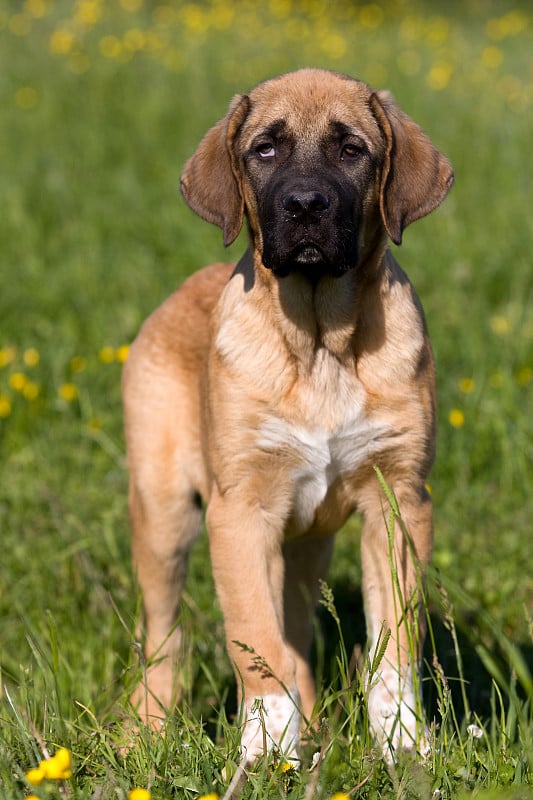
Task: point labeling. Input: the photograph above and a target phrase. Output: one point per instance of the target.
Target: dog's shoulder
(392, 344)
(180, 326)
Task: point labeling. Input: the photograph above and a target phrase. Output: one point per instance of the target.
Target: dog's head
(321, 166)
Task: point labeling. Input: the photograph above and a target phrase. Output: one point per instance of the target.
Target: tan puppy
(271, 389)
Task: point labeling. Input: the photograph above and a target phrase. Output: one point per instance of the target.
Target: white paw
(394, 711)
(271, 721)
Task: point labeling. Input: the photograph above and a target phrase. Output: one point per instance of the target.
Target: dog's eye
(266, 151)
(351, 151)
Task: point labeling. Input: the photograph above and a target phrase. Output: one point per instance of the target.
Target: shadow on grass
(477, 678)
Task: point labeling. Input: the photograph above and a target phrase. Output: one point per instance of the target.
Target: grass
(101, 102)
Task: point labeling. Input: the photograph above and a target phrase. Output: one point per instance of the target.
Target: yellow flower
(26, 97)
(35, 776)
(139, 794)
(110, 47)
(456, 418)
(340, 796)
(32, 797)
(121, 353)
(371, 15)
(210, 796)
(411, 28)
(57, 768)
(52, 770)
(5, 406)
(134, 39)
(62, 41)
(438, 30)
(7, 355)
(31, 390)
(18, 381)
(467, 385)
(78, 363)
(107, 354)
(280, 8)
(31, 357)
(500, 325)
(439, 76)
(36, 8)
(63, 759)
(68, 392)
(195, 18)
(286, 766)
(524, 376)
(334, 45)
(88, 12)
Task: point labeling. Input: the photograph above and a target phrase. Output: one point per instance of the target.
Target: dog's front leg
(393, 560)
(248, 567)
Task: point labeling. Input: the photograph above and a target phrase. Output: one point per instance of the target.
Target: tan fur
(241, 382)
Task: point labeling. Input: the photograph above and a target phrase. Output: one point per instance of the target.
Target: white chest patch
(325, 455)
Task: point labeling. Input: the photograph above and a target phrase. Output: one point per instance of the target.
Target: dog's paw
(394, 711)
(271, 722)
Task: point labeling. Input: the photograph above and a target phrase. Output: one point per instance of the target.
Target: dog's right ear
(210, 181)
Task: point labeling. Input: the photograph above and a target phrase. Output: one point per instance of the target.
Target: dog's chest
(322, 457)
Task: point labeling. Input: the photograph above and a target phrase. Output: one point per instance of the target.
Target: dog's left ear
(416, 177)
(210, 181)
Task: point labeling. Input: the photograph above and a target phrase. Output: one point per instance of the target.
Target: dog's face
(310, 161)
(322, 166)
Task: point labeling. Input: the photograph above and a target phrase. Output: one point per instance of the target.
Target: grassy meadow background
(101, 101)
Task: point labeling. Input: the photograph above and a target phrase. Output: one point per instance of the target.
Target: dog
(271, 390)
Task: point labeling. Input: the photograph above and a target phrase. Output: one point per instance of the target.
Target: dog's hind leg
(164, 525)
(307, 561)
(164, 500)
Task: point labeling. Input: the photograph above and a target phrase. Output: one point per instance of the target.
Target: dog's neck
(316, 314)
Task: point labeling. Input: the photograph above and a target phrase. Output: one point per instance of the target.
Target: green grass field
(101, 102)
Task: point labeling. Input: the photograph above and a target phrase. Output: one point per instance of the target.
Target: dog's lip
(307, 252)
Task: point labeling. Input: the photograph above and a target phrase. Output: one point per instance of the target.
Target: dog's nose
(305, 206)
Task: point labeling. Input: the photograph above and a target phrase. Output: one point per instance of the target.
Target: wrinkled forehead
(310, 107)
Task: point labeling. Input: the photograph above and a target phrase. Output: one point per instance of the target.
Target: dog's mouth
(306, 257)
(309, 260)
(307, 254)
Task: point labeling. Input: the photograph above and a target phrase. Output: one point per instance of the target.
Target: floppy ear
(210, 180)
(416, 177)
